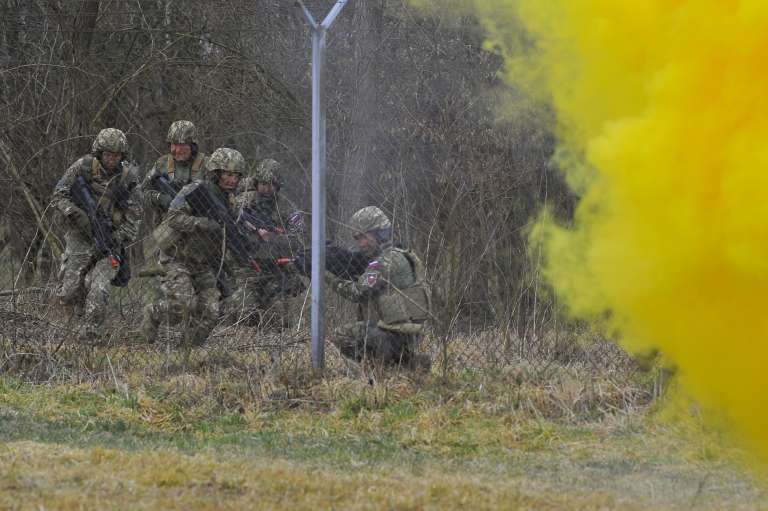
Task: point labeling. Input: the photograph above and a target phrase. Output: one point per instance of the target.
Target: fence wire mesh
(263, 334)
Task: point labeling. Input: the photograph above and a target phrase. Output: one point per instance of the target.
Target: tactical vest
(197, 164)
(102, 188)
(406, 309)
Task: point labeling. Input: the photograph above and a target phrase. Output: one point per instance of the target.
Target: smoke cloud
(662, 111)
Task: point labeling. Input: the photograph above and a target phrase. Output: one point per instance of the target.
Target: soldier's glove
(80, 220)
(165, 201)
(207, 225)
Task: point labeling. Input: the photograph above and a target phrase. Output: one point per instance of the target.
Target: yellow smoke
(662, 109)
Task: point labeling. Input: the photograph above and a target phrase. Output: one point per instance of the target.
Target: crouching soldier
(97, 196)
(391, 294)
(192, 251)
(275, 233)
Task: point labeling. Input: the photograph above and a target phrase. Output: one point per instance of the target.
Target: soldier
(392, 297)
(87, 269)
(181, 166)
(191, 254)
(276, 233)
(260, 196)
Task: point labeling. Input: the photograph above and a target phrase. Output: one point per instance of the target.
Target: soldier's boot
(420, 362)
(70, 309)
(196, 333)
(149, 327)
(195, 337)
(253, 317)
(91, 333)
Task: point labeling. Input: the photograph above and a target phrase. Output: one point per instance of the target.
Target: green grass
(238, 426)
(483, 440)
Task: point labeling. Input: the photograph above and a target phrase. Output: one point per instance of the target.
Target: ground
(229, 427)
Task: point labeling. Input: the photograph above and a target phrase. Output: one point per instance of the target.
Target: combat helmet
(182, 132)
(267, 171)
(369, 219)
(110, 139)
(227, 159)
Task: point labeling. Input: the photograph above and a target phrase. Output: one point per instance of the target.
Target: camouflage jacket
(180, 235)
(182, 173)
(391, 292)
(284, 240)
(107, 187)
(278, 211)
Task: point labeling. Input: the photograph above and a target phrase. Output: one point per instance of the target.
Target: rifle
(162, 184)
(102, 229)
(345, 264)
(204, 203)
(254, 220)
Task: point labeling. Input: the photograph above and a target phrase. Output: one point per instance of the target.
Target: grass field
(129, 427)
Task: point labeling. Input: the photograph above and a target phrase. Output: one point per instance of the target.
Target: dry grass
(245, 423)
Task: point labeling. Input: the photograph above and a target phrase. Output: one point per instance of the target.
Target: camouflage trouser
(187, 296)
(85, 278)
(254, 292)
(365, 339)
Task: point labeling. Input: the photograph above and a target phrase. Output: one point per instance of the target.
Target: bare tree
(413, 122)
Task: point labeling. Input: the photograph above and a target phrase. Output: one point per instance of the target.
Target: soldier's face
(228, 180)
(181, 152)
(110, 159)
(367, 243)
(265, 188)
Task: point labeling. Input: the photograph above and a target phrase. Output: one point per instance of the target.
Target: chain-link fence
(257, 300)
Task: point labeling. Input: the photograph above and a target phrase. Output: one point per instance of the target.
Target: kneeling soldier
(391, 294)
(263, 213)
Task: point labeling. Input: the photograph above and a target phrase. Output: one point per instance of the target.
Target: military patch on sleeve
(371, 278)
(296, 221)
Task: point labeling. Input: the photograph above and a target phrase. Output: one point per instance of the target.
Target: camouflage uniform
(191, 254)
(178, 172)
(392, 299)
(270, 206)
(257, 290)
(86, 274)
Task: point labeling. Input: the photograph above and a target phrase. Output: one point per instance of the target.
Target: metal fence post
(318, 179)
